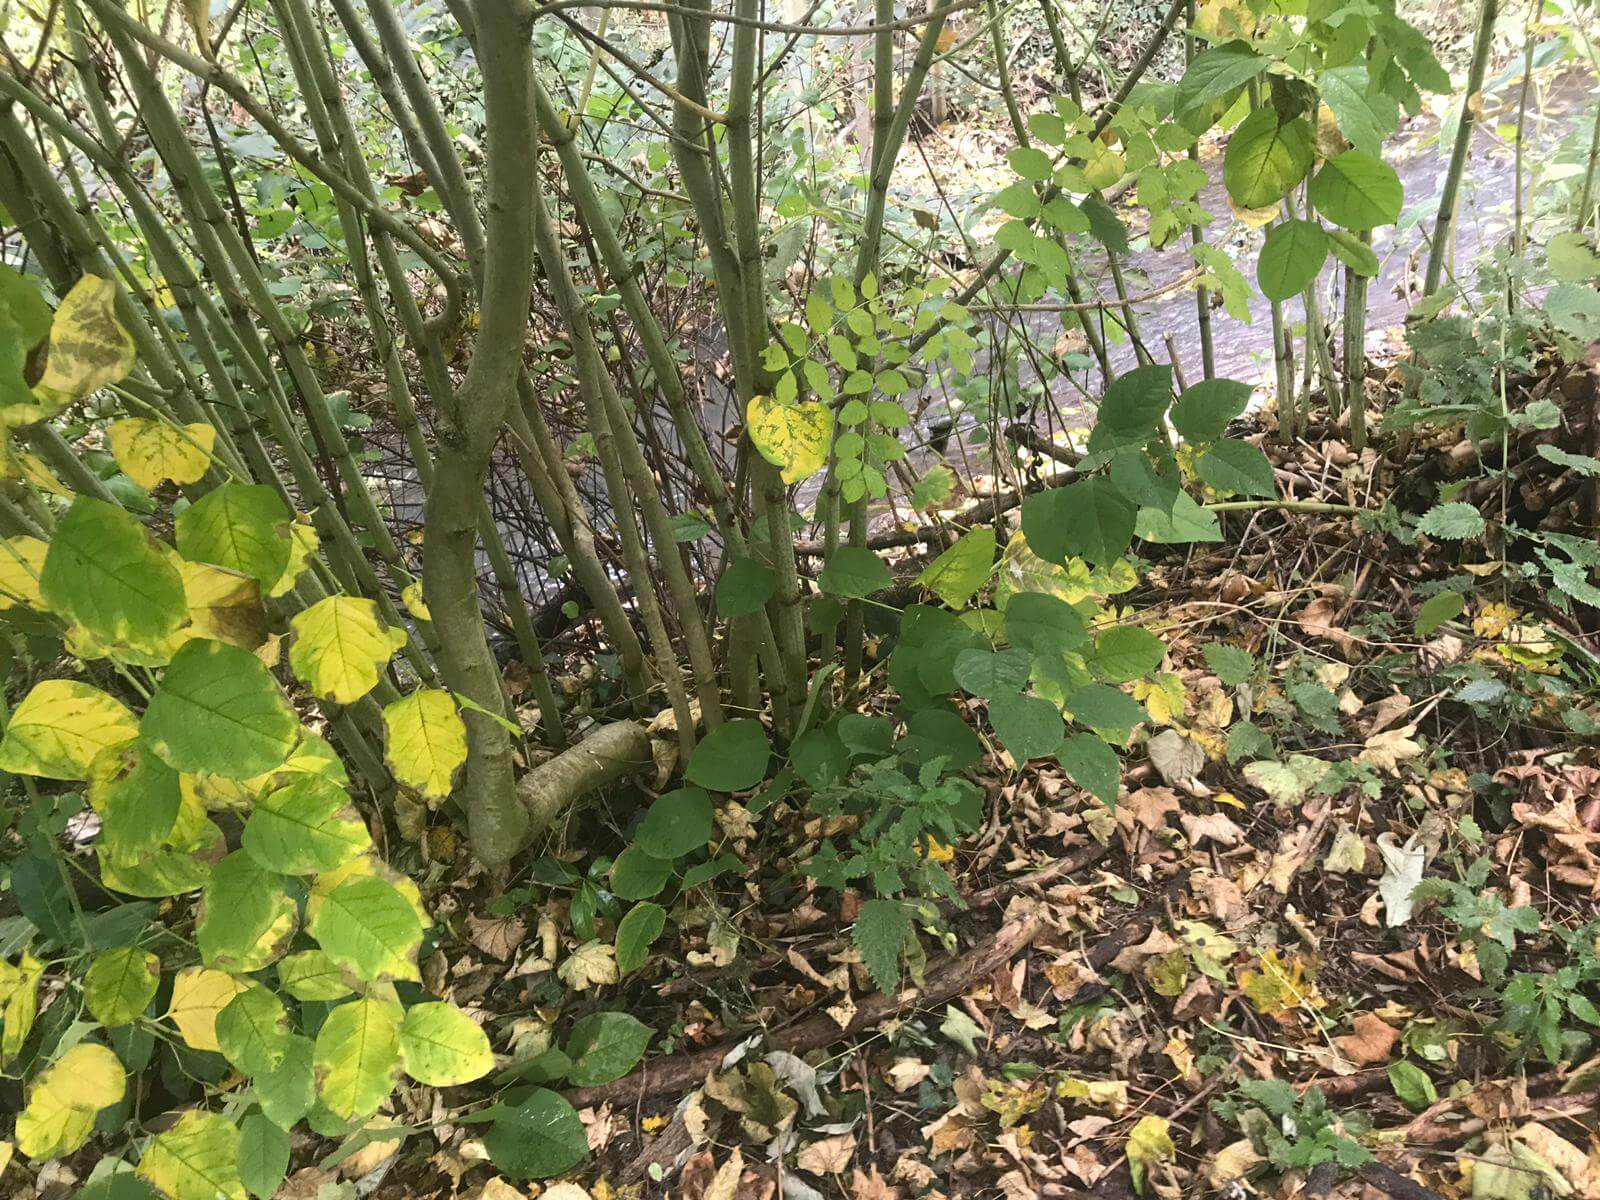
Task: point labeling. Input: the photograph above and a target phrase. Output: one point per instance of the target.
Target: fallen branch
(606, 755)
(667, 1076)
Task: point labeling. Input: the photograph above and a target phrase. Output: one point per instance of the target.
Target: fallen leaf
(906, 1073)
(1372, 1041)
(1402, 871)
(1386, 751)
(1177, 756)
(870, 1185)
(830, 1156)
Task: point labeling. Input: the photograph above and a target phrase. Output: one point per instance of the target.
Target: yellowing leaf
(590, 964)
(303, 546)
(340, 646)
(151, 452)
(197, 1159)
(358, 1057)
(792, 437)
(21, 560)
(1162, 697)
(1149, 1143)
(59, 728)
(65, 1098)
(198, 995)
(120, 984)
(411, 597)
(1387, 750)
(1493, 619)
(223, 605)
(89, 348)
(19, 1003)
(427, 741)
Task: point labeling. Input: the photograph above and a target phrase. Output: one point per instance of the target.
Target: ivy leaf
(426, 741)
(241, 526)
(880, 932)
(792, 437)
(120, 984)
(197, 1159)
(61, 727)
(365, 924)
(104, 573)
(604, 1046)
(340, 646)
(1452, 522)
(443, 1047)
(151, 452)
(219, 711)
(357, 1057)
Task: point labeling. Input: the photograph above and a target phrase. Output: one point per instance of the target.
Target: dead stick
(668, 1076)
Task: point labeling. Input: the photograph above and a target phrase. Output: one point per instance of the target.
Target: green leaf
(104, 573)
(1131, 411)
(991, 673)
(746, 585)
(253, 1031)
(1412, 1084)
(1266, 157)
(240, 907)
(1092, 765)
(1352, 252)
(957, 574)
(1186, 522)
(1203, 412)
(1234, 466)
(1437, 609)
(536, 1138)
(1028, 726)
(636, 933)
(1452, 522)
(1125, 652)
(197, 1159)
(1215, 73)
(241, 526)
(287, 1094)
(638, 875)
(1230, 664)
(120, 985)
(357, 1057)
(678, 822)
(263, 1156)
(1104, 224)
(443, 1047)
(219, 711)
(137, 796)
(365, 924)
(1043, 624)
(731, 758)
(1366, 115)
(880, 932)
(1030, 163)
(605, 1046)
(1583, 464)
(1358, 191)
(1088, 519)
(312, 975)
(306, 827)
(1105, 710)
(854, 571)
(1571, 258)
(1291, 259)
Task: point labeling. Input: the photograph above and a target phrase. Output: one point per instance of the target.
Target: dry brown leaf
(830, 1156)
(1372, 1041)
(1211, 827)
(498, 937)
(870, 1185)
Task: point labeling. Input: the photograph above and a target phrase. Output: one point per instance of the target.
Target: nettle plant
(295, 994)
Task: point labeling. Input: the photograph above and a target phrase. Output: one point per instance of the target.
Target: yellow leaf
(150, 452)
(303, 546)
(223, 605)
(427, 741)
(1493, 619)
(340, 646)
(59, 728)
(21, 560)
(411, 597)
(1105, 167)
(89, 348)
(1162, 697)
(792, 437)
(19, 1003)
(65, 1098)
(591, 963)
(197, 1159)
(198, 995)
